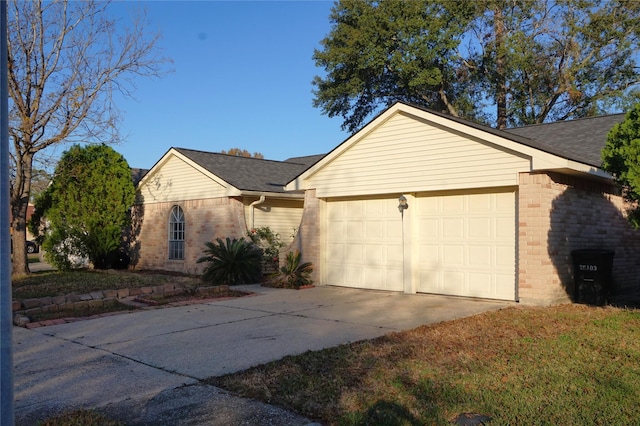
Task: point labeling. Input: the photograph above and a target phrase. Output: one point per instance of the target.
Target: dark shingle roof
(137, 175)
(308, 160)
(583, 139)
(246, 174)
(579, 140)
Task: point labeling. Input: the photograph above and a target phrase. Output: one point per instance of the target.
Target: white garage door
(364, 244)
(467, 244)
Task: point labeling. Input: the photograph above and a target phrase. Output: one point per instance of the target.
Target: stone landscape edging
(103, 298)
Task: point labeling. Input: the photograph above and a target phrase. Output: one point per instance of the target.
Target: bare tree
(66, 60)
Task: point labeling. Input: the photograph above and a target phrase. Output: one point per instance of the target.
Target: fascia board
(280, 195)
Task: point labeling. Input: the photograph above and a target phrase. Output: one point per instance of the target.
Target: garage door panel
(354, 230)
(336, 251)
(353, 276)
(374, 229)
(453, 228)
(453, 282)
(480, 256)
(474, 252)
(354, 253)
(453, 255)
(394, 254)
(480, 203)
(453, 203)
(334, 230)
(373, 242)
(374, 253)
(393, 280)
(505, 257)
(480, 227)
(505, 228)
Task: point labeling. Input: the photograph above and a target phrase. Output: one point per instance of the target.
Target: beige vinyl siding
(406, 154)
(282, 216)
(177, 180)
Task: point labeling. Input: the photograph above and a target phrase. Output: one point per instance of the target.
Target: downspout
(253, 206)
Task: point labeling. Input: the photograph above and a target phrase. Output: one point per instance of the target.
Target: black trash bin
(592, 276)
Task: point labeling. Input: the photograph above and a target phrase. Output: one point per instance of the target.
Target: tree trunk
(20, 191)
(500, 77)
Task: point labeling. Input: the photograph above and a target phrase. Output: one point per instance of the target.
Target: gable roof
(573, 146)
(244, 173)
(583, 139)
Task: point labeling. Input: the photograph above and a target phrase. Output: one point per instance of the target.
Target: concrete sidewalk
(146, 367)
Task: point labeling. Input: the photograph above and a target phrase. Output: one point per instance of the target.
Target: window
(176, 233)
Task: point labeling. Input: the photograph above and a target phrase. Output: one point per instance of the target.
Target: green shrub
(294, 274)
(269, 242)
(231, 262)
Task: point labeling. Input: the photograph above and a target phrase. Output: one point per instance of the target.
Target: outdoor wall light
(402, 204)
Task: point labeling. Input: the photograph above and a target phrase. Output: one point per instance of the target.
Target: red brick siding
(205, 220)
(558, 214)
(307, 239)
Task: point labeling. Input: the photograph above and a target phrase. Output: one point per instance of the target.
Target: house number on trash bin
(588, 267)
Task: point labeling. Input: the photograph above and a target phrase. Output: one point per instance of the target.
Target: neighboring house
(491, 214)
(191, 197)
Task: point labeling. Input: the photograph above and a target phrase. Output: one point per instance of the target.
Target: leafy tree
(66, 60)
(233, 261)
(86, 207)
(242, 153)
(534, 61)
(621, 157)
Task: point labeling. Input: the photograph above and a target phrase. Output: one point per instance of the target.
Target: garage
(461, 243)
(466, 244)
(364, 244)
(487, 216)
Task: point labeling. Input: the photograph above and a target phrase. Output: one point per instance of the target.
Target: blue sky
(242, 78)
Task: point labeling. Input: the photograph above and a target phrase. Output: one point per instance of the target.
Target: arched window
(176, 233)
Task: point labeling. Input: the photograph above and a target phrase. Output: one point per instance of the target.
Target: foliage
(66, 61)
(242, 153)
(234, 261)
(562, 365)
(621, 157)
(534, 61)
(294, 274)
(85, 209)
(269, 242)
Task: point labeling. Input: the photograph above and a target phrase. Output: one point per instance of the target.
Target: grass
(58, 283)
(569, 365)
(80, 418)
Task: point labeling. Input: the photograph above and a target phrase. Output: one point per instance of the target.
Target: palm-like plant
(294, 274)
(231, 262)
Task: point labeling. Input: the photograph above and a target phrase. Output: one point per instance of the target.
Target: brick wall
(205, 220)
(307, 239)
(558, 214)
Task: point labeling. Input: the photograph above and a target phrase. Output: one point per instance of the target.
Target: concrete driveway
(146, 367)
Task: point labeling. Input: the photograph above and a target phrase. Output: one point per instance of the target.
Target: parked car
(32, 247)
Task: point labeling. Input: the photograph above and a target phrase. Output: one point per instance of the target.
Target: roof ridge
(231, 156)
(573, 120)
